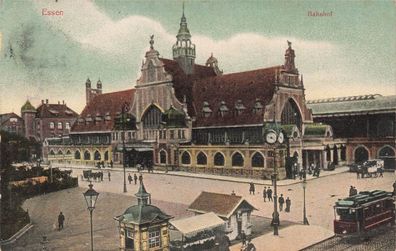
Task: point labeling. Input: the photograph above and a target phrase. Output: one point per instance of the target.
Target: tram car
(363, 212)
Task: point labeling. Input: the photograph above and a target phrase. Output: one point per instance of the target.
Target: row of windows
(87, 154)
(119, 135)
(172, 134)
(59, 125)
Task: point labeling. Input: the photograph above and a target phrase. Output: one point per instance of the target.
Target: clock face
(281, 137)
(270, 137)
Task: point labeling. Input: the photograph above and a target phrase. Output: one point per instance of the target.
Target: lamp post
(124, 110)
(272, 137)
(90, 197)
(304, 185)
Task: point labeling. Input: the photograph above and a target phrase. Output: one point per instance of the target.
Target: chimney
(63, 102)
(58, 102)
(46, 101)
(42, 101)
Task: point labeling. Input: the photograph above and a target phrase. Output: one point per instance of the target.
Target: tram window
(378, 208)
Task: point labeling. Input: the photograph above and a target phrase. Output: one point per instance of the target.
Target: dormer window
(223, 110)
(258, 107)
(88, 119)
(98, 117)
(206, 111)
(239, 107)
(107, 116)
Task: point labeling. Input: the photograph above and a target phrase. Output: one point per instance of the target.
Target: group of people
(267, 194)
(247, 245)
(135, 178)
(101, 164)
(312, 169)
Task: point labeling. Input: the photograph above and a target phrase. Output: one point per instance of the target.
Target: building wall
(44, 131)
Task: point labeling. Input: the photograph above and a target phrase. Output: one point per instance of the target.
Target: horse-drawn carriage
(369, 169)
(89, 175)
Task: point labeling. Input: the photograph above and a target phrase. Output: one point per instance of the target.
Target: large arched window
(162, 156)
(257, 160)
(68, 152)
(97, 155)
(106, 155)
(237, 159)
(60, 152)
(87, 155)
(52, 152)
(361, 154)
(77, 155)
(219, 159)
(291, 114)
(152, 117)
(201, 159)
(185, 158)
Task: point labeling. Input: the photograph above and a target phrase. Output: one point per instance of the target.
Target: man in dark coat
(394, 188)
(135, 178)
(243, 237)
(281, 201)
(109, 175)
(288, 204)
(251, 189)
(265, 193)
(140, 178)
(129, 178)
(269, 194)
(61, 219)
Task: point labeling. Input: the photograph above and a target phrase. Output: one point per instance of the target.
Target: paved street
(173, 194)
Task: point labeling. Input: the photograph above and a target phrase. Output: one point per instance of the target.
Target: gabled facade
(12, 123)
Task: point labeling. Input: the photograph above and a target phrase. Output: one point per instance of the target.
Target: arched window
(361, 154)
(257, 160)
(291, 114)
(152, 117)
(201, 159)
(186, 159)
(77, 155)
(68, 152)
(52, 152)
(60, 152)
(106, 155)
(237, 159)
(386, 151)
(219, 159)
(97, 155)
(87, 155)
(162, 157)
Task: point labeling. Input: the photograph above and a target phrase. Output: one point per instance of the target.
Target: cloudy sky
(351, 52)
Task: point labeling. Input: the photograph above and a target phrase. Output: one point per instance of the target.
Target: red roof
(55, 111)
(244, 86)
(108, 104)
(205, 86)
(223, 205)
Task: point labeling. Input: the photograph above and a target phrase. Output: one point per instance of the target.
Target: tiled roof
(246, 86)
(55, 111)
(27, 107)
(221, 204)
(354, 104)
(183, 83)
(106, 106)
(205, 86)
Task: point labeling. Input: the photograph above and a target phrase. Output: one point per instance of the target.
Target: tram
(363, 212)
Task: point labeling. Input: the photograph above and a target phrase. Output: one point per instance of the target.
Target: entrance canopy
(198, 223)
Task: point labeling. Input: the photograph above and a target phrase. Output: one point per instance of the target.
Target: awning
(195, 224)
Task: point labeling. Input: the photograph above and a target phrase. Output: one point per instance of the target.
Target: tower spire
(183, 49)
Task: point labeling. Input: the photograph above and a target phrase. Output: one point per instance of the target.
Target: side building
(365, 123)
(12, 123)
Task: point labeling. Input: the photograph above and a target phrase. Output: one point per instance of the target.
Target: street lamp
(304, 185)
(271, 137)
(124, 110)
(90, 197)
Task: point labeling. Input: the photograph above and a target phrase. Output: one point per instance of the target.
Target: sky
(351, 52)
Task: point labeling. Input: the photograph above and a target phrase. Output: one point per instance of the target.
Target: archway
(237, 159)
(106, 155)
(201, 159)
(257, 160)
(361, 154)
(218, 159)
(60, 152)
(291, 114)
(87, 155)
(162, 156)
(186, 158)
(77, 155)
(97, 155)
(387, 154)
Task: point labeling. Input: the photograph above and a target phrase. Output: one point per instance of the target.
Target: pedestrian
(101, 176)
(265, 193)
(250, 246)
(109, 175)
(288, 204)
(140, 178)
(269, 194)
(233, 192)
(355, 191)
(281, 201)
(111, 164)
(135, 178)
(129, 178)
(251, 189)
(394, 188)
(381, 172)
(61, 219)
(351, 191)
(243, 237)
(357, 173)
